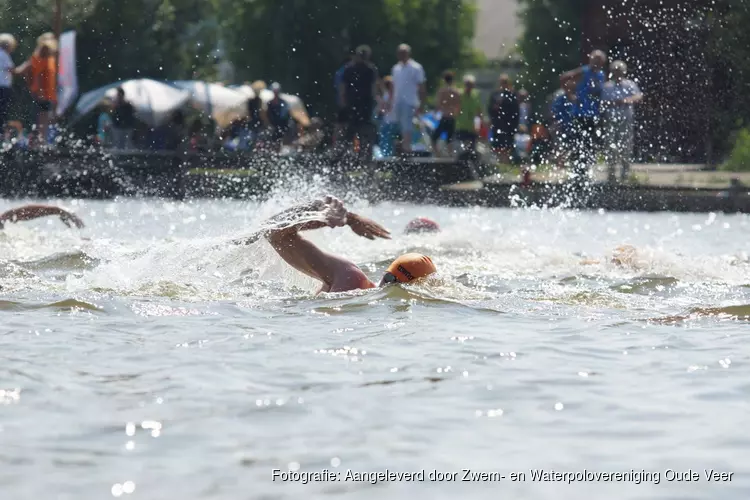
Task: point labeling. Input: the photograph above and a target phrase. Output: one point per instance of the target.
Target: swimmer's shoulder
(350, 277)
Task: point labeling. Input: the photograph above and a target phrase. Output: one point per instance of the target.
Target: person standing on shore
(589, 80)
(123, 121)
(277, 111)
(448, 103)
(41, 70)
(410, 91)
(7, 46)
(562, 111)
(357, 94)
(471, 109)
(503, 111)
(618, 99)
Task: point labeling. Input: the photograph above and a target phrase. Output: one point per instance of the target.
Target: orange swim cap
(411, 266)
(422, 225)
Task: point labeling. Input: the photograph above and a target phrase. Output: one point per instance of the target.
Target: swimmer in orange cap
(30, 212)
(337, 273)
(422, 225)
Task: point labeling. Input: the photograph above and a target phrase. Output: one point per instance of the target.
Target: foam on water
(183, 250)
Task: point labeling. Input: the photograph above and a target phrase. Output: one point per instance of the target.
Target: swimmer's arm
(304, 255)
(285, 222)
(30, 212)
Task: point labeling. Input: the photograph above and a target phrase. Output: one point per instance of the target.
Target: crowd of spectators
(40, 74)
(592, 114)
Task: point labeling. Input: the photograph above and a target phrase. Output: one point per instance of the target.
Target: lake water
(143, 357)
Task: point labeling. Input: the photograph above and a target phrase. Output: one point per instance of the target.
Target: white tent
(223, 104)
(154, 102)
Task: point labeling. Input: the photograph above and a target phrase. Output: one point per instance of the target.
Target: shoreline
(96, 174)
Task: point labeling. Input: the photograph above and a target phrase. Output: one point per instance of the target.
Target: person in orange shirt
(40, 72)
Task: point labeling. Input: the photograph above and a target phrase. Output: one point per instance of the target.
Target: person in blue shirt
(589, 81)
(562, 114)
(342, 116)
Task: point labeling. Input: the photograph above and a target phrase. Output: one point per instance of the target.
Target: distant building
(498, 27)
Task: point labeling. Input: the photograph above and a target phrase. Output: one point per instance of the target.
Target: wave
(736, 313)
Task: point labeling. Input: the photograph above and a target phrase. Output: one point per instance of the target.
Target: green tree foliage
(162, 39)
(301, 43)
(551, 42)
(729, 56)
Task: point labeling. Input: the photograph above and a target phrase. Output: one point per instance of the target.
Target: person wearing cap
(7, 46)
(471, 108)
(421, 225)
(41, 70)
(409, 93)
(336, 273)
(619, 96)
(277, 111)
(357, 94)
(31, 212)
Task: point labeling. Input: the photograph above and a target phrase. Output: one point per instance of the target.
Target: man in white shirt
(409, 92)
(619, 96)
(7, 46)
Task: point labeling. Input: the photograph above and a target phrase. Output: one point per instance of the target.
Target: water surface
(145, 357)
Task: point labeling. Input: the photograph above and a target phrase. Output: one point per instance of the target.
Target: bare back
(449, 101)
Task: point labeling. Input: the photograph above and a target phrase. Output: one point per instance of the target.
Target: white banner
(67, 77)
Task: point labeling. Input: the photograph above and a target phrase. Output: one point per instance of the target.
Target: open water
(144, 357)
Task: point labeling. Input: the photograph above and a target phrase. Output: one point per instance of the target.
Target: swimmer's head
(408, 267)
(422, 225)
(624, 255)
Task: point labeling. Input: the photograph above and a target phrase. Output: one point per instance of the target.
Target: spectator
(7, 46)
(123, 121)
(448, 102)
(618, 98)
(388, 125)
(562, 111)
(503, 111)
(471, 109)
(357, 94)
(175, 132)
(341, 118)
(589, 80)
(524, 108)
(256, 117)
(104, 124)
(409, 87)
(522, 140)
(277, 111)
(41, 70)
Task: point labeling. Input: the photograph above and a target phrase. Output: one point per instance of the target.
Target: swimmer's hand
(67, 218)
(333, 211)
(366, 228)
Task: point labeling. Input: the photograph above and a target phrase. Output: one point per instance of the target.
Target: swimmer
(623, 256)
(30, 212)
(422, 225)
(336, 273)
